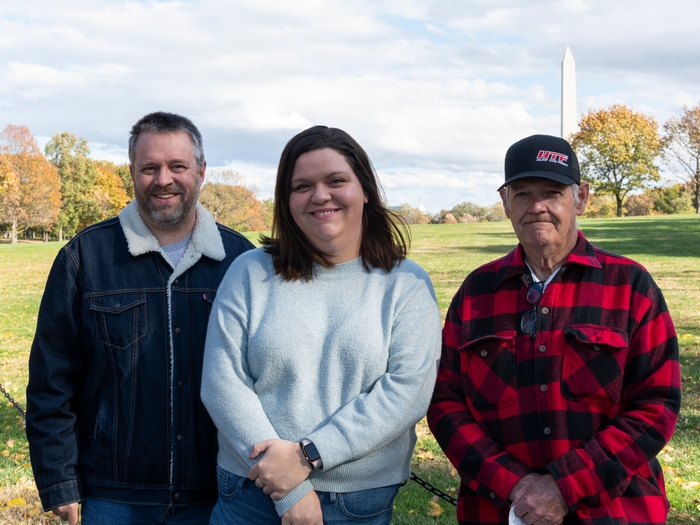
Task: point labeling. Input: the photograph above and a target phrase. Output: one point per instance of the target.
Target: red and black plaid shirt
(591, 399)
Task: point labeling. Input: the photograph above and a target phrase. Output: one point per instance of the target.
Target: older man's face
(543, 212)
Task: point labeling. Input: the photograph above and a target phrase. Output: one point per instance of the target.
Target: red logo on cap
(552, 156)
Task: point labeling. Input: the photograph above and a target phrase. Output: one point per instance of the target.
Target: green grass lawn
(668, 246)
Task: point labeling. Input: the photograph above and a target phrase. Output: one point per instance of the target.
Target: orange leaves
(617, 148)
(29, 184)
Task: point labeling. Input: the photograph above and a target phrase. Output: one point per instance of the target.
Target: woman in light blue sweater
(321, 351)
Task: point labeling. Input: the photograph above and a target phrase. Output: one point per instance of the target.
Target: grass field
(668, 246)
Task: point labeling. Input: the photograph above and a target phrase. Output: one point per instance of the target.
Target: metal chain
(432, 488)
(414, 477)
(14, 403)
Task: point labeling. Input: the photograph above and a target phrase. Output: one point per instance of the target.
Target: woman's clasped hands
(282, 468)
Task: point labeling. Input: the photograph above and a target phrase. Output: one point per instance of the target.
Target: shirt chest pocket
(491, 370)
(593, 364)
(120, 318)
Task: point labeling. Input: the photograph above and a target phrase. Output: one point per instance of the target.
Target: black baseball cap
(542, 156)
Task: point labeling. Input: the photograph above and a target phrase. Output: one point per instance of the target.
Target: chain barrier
(12, 400)
(414, 477)
(432, 488)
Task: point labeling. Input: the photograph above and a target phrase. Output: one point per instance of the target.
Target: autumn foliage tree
(109, 192)
(69, 154)
(681, 149)
(29, 184)
(91, 191)
(617, 148)
(232, 203)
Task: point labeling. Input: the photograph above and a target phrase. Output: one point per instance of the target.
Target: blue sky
(435, 91)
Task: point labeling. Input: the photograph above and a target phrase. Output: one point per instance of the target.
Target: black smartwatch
(311, 453)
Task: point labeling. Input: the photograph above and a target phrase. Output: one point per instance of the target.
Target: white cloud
(38, 75)
(434, 90)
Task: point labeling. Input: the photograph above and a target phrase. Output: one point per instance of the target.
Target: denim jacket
(113, 407)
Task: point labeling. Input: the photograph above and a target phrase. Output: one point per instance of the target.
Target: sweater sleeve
(401, 395)
(226, 377)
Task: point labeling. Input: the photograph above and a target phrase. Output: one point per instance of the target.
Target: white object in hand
(513, 519)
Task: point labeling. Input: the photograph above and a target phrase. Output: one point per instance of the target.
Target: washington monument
(568, 95)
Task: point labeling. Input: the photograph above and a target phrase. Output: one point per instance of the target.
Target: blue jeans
(242, 503)
(100, 512)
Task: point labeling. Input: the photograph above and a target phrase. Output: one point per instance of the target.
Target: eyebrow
(331, 174)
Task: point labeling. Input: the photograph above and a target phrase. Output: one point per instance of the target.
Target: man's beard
(163, 217)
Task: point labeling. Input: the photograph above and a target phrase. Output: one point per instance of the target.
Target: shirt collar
(514, 263)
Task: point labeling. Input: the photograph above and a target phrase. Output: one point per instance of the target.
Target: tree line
(62, 190)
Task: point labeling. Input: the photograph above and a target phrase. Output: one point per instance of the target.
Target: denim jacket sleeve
(55, 377)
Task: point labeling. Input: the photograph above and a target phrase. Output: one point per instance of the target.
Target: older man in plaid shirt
(559, 381)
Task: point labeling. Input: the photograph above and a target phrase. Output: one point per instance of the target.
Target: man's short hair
(161, 122)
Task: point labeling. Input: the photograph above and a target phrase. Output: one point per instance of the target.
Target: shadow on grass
(668, 238)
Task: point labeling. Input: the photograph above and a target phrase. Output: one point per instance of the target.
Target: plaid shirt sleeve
(483, 465)
(601, 468)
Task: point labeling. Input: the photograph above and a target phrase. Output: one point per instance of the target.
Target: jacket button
(177, 330)
(596, 348)
(180, 383)
(176, 495)
(545, 310)
(180, 437)
(492, 495)
(542, 348)
(543, 388)
(117, 305)
(484, 353)
(547, 431)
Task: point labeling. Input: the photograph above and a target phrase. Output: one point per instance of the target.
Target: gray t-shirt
(175, 251)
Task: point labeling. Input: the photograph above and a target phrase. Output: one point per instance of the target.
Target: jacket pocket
(120, 318)
(491, 370)
(593, 364)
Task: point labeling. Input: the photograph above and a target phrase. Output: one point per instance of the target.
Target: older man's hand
(521, 486)
(541, 502)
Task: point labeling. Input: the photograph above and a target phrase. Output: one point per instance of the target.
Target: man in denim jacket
(114, 418)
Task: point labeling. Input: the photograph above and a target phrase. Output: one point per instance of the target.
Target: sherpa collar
(206, 239)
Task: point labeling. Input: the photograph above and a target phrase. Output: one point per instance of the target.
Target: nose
(164, 177)
(320, 194)
(538, 204)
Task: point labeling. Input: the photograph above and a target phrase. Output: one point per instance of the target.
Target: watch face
(312, 451)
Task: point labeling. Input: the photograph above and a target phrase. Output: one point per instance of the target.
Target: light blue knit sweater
(347, 359)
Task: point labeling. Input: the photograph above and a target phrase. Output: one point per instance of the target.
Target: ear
(201, 172)
(506, 208)
(131, 172)
(583, 192)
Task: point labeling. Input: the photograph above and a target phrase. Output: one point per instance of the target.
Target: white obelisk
(568, 95)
